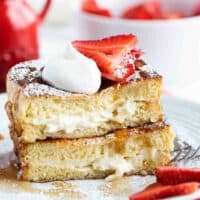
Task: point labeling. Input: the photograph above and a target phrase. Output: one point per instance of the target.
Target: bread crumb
(143, 173)
(1, 137)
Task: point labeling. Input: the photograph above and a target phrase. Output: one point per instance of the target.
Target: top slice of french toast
(25, 78)
(39, 111)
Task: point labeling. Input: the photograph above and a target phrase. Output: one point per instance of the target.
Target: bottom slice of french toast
(124, 152)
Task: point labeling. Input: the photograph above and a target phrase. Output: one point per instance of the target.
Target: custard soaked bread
(39, 111)
(93, 114)
(128, 151)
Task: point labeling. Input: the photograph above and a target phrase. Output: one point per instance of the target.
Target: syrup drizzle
(10, 184)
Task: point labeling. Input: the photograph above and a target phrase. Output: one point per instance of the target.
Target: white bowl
(172, 46)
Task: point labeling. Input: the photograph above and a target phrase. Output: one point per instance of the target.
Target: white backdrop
(61, 11)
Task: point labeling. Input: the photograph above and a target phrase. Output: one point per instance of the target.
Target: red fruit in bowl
(114, 56)
(146, 11)
(197, 9)
(173, 15)
(91, 6)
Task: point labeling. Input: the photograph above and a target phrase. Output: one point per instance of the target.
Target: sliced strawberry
(154, 185)
(110, 45)
(173, 15)
(110, 66)
(147, 11)
(91, 6)
(196, 11)
(137, 53)
(166, 191)
(114, 56)
(175, 175)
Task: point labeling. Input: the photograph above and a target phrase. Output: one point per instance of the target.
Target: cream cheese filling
(118, 112)
(119, 164)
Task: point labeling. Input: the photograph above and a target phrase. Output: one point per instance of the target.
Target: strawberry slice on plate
(114, 55)
(161, 192)
(176, 175)
(145, 11)
(91, 6)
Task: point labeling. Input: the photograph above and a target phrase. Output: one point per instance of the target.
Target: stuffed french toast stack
(94, 113)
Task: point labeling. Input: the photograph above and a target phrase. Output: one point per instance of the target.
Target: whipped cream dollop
(74, 72)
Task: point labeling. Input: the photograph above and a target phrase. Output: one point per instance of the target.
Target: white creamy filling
(118, 163)
(122, 165)
(117, 112)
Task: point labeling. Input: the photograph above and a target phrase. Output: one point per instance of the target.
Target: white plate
(185, 119)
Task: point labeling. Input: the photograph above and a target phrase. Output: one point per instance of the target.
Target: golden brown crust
(87, 151)
(47, 174)
(24, 110)
(147, 130)
(35, 159)
(26, 73)
(145, 112)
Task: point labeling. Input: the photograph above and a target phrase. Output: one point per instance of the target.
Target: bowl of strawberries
(168, 32)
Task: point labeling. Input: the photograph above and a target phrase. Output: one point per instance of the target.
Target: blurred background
(61, 11)
(171, 41)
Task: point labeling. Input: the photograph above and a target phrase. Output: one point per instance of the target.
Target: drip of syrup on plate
(10, 183)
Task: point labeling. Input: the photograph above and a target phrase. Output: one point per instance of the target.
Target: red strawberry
(166, 191)
(146, 11)
(175, 175)
(196, 11)
(173, 15)
(109, 66)
(153, 185)
(91, 6)
(114, 56)
(109, 45)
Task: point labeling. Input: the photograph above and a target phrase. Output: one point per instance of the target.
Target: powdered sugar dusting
(37, 89)
(28, 71)
(120, 71)
(38, 64)
(144, 72)
(149, 70)
(17, 74)
(29, 76)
